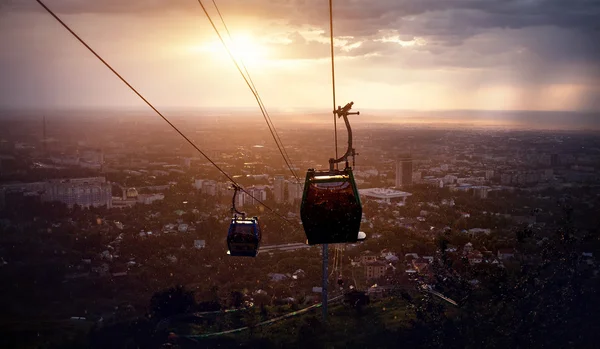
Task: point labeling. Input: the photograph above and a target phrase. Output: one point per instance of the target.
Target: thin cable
(333, 77)
(341, 261)
(249, 85)
(279, 318)
(156, 110)
(253, 87)
(335, 256)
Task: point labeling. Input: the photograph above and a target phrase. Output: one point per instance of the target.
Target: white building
(84, 192)
(449, 179)
(295, 191)
(148, 199)
(384, 194)
(199, 244)
(278, 189)
(209, 188)
(251, 197)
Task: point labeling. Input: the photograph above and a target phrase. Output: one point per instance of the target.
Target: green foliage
(174, 301)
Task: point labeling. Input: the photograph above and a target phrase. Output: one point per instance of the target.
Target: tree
(176, 300)
(237, 299)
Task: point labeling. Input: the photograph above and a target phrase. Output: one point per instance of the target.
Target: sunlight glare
(244, 47)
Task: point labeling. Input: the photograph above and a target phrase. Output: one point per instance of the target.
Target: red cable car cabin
(331, 210)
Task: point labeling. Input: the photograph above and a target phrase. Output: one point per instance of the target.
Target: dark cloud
(140, 7)
(447, 22)
(523, 42)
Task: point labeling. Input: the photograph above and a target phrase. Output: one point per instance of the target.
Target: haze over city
(461, 211)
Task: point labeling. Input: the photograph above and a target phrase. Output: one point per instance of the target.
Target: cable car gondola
(331, 210)
(243, 237)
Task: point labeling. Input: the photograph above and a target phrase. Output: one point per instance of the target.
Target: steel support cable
(254, 87)
(333, 77)
(341, 267)
(335, 259)
(279, 318)
(255, 93)
(156, 110)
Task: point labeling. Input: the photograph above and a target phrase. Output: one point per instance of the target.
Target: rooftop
(383, 193)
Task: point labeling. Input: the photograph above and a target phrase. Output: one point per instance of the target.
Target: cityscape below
(102, 216)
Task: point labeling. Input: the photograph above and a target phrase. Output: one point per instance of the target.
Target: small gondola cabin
(243, 238)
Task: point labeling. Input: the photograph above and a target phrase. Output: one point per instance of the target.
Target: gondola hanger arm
(343, 112)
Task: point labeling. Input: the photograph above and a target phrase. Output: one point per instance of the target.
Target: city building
(240, 199)
(251, 196)
(148, 199)
(259, 193)
(384, 194)
(209, 188)
(403, 172)
(450, 179)
(85, 192)
(278, 189)
(295, 192)
(130, 193)
(481, 191)
(375, 269)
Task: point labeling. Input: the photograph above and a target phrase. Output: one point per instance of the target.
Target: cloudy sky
(404, 54)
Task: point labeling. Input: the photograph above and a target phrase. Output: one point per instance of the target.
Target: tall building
(256, 193)
(84, 192)
(278, 189)
(241, 199)
(295, 192)
(209, 188)
(404, 171)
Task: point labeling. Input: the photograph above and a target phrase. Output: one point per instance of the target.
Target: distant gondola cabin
(243, 238)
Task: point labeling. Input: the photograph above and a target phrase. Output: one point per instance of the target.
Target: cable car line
(254, 92)
(158, 112)
(331, 210)
(255, 89)
(267, 322)
(244, 235)
(333, 76)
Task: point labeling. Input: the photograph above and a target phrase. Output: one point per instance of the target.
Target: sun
(244, 47)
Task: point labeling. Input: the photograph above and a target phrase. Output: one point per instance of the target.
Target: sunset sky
(404, 54)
